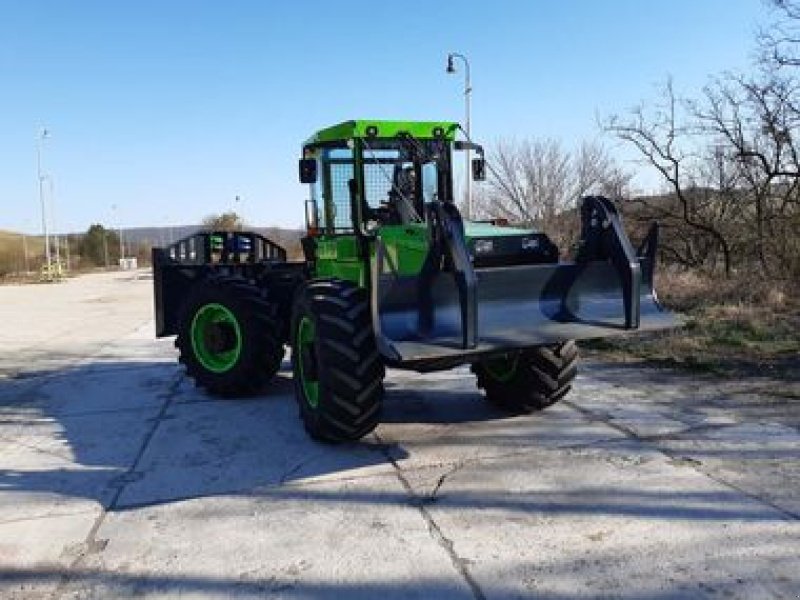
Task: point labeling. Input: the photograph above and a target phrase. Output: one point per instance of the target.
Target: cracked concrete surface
(118, 478)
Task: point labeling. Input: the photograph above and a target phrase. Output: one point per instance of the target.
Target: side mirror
(308, 170)
(311, 216)
(478, 169)
(463, 145)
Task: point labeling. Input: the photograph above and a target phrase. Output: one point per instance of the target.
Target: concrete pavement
(118, 478)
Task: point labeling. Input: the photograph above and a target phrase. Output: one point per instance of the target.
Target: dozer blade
(607, 291)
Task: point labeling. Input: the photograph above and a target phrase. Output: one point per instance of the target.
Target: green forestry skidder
(393, 276)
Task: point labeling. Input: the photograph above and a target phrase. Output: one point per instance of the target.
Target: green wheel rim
(502, 368)
(215, 316)
(306, 334)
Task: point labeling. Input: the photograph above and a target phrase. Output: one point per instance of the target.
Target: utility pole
(451, 68)
(25, 252)
(43, 134)
(119, 230)
(105, 245)
(239, 208)
(56, 237)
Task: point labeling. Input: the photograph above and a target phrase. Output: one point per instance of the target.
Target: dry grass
(735, 325)
(11, 244)
(12, 256)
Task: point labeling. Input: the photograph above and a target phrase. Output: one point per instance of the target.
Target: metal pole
(119, 232)
(467, 110)
(468, 157)
(25, 251)
(42, 135)
(105, 245)
(56, 237)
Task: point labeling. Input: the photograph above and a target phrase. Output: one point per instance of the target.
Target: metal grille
(377, 183)
(339, 176)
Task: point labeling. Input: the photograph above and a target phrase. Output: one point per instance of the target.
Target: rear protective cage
(248, 255)
(224, 247)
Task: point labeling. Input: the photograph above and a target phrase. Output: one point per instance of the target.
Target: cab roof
(363, 128)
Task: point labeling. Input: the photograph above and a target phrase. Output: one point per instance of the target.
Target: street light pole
(467, 97)
(25, 251)
(119, 229)
(105, 246)
(237, 202)
(43, 134)
(56, 237)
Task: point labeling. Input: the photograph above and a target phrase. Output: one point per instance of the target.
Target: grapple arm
(453, 310)
(603, 238)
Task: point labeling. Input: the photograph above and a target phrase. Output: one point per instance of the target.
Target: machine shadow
(138, 433)
(116, 584)
(432, 402)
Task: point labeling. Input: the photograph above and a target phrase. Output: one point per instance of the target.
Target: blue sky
(170, 109)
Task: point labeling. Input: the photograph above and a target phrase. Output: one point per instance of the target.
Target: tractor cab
(368, 174)
(384, 178)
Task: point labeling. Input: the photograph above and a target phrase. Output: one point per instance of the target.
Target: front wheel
(528, 380)
(338, 373)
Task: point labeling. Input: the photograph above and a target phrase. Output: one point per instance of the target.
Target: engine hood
(474, 230)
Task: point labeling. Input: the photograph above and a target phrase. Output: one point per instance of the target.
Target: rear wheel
(228, 336)
(528, 380)
(338, 373)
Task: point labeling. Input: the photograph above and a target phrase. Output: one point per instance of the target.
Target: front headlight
(483, 246)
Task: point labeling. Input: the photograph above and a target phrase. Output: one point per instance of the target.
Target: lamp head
(451, 68)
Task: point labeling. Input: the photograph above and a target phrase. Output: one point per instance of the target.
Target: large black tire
(529, 380)
(245, 322)
(338, 372)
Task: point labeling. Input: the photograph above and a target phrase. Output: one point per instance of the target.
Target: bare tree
(778, 45)
(227, 221)
(534, 181)
(757, 122)
(731, 160)
(666, 143)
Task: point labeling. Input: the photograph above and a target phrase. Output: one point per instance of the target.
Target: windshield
(401, 176)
